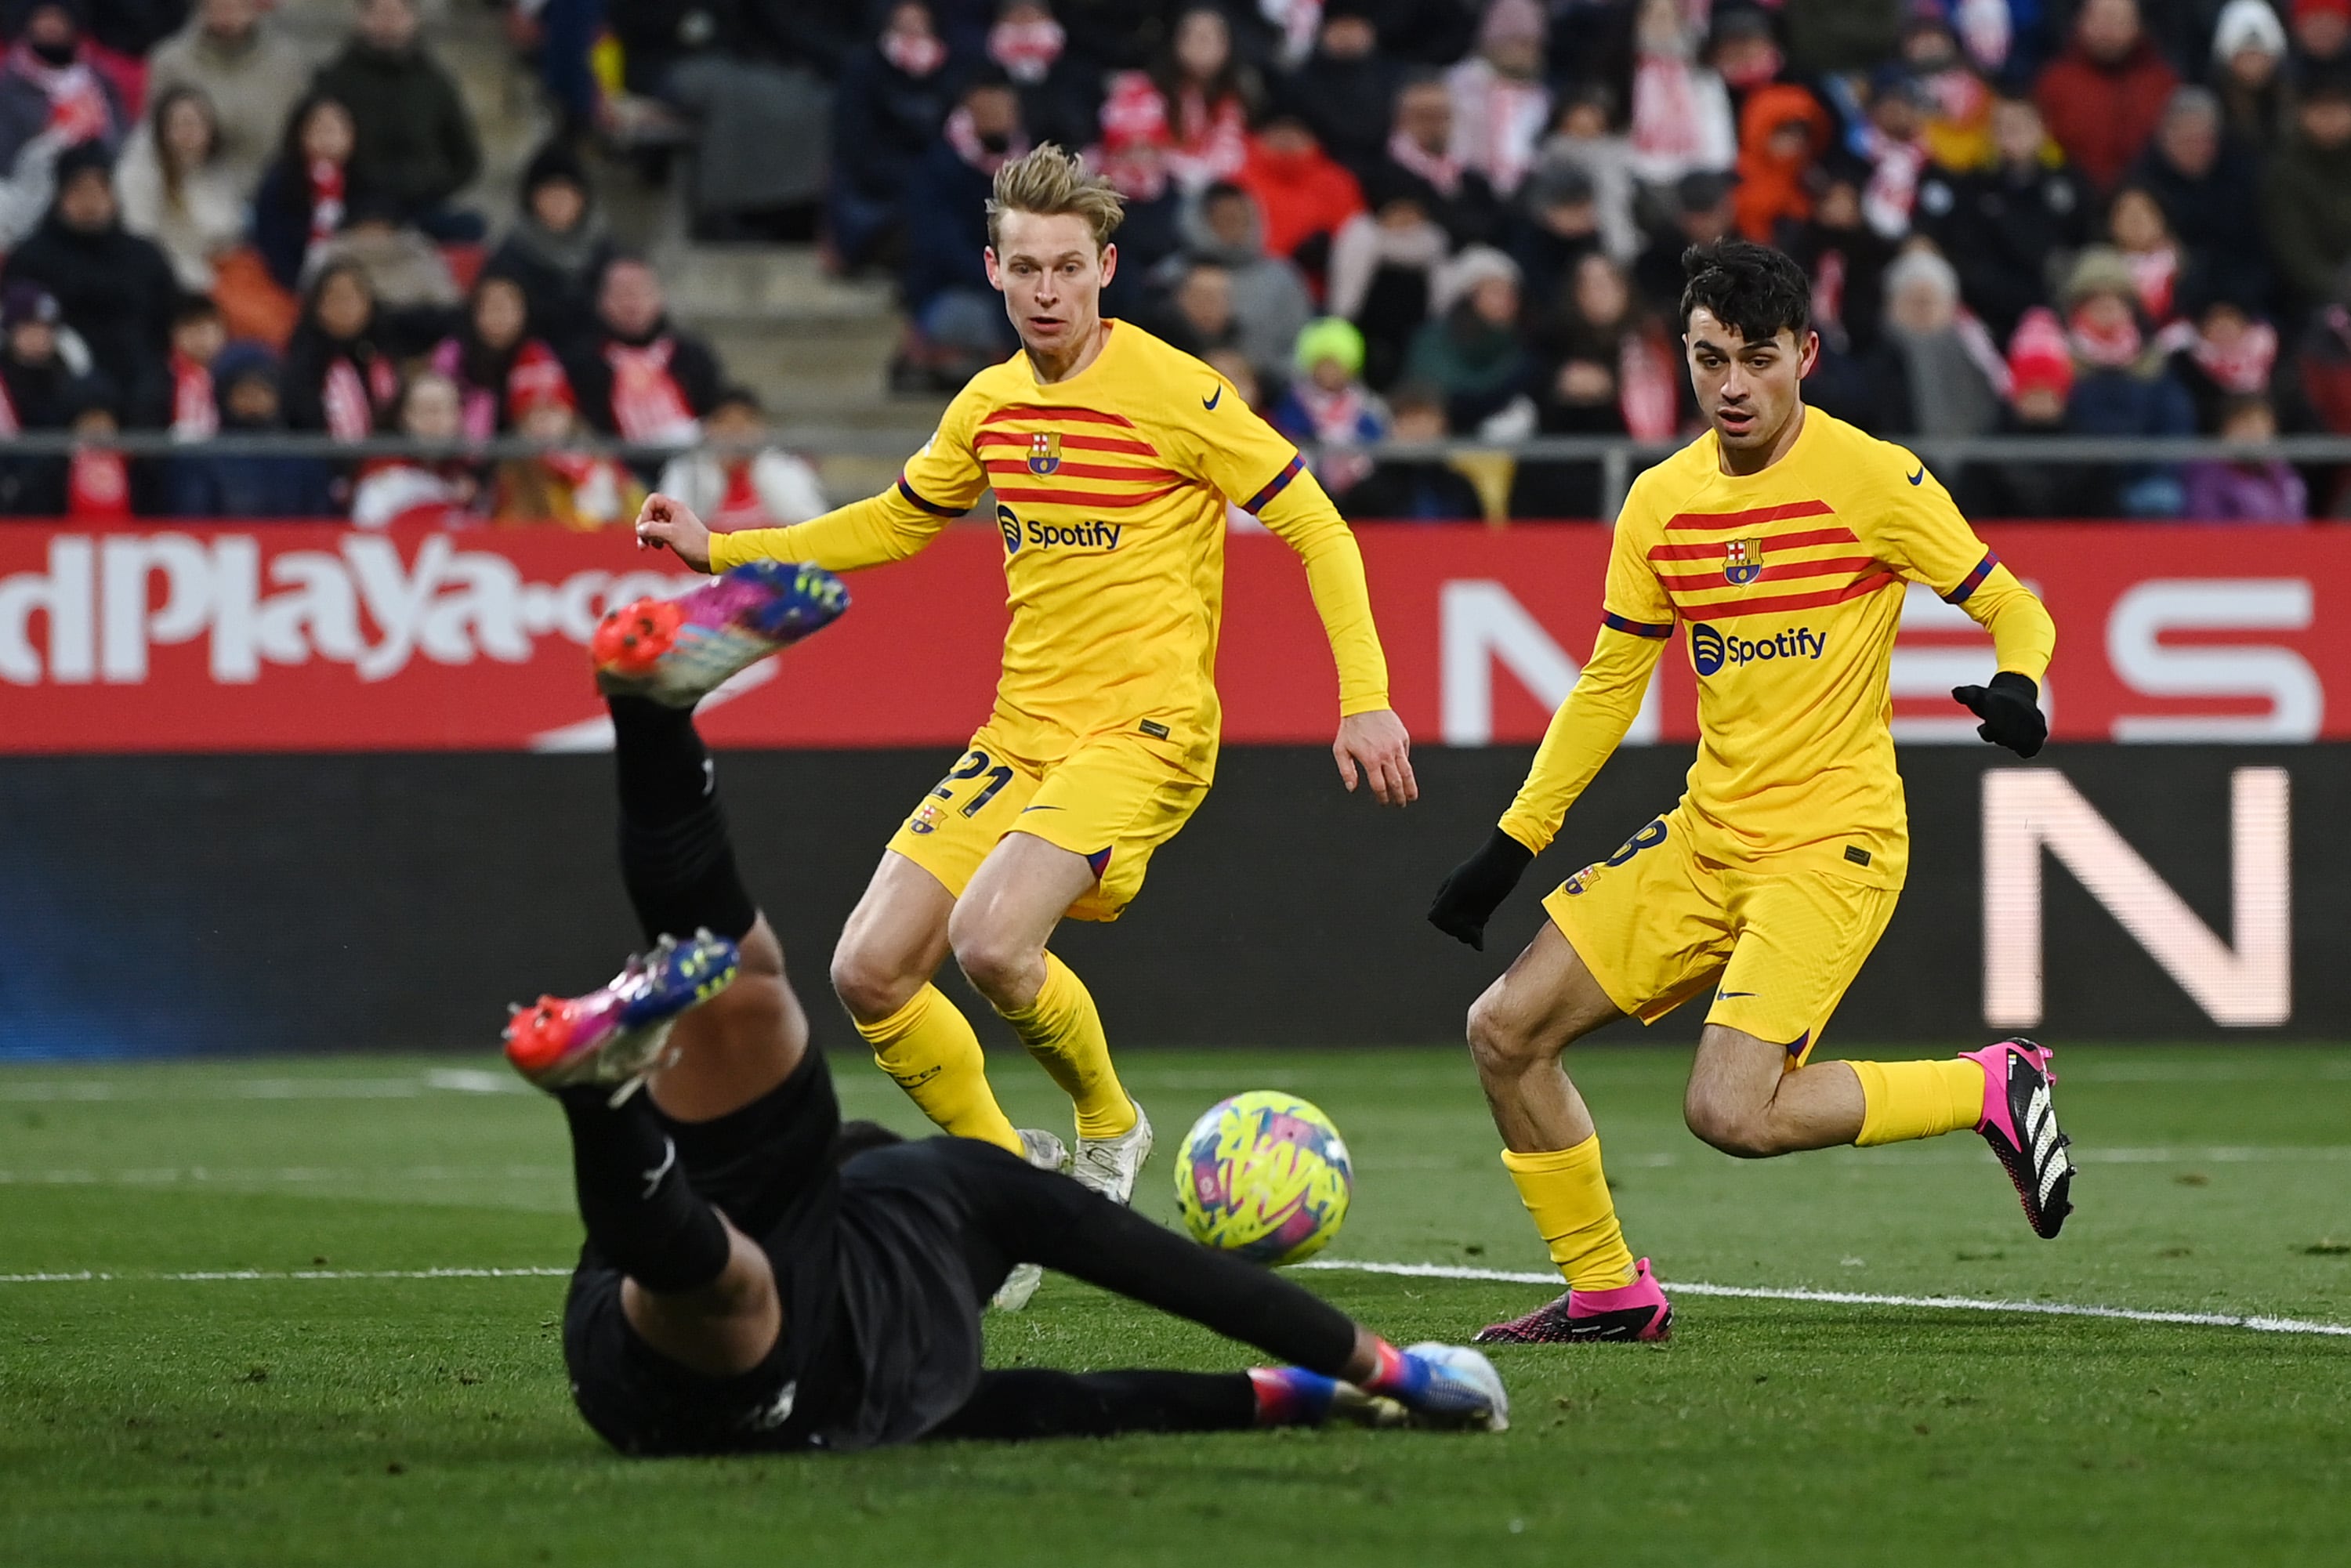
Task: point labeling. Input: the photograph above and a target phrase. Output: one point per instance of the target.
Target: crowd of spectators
(2102, 217)
(206, 231)
(1380, 218)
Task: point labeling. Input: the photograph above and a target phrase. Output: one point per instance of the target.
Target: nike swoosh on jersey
(1726, 996)
(1210, 402)
(1919, 477)
(1026, 809)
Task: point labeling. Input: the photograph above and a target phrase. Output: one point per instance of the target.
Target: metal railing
(1618, 458)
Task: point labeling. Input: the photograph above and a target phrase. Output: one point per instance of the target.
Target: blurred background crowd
(1383, 220)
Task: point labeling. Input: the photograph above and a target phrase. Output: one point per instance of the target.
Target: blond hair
(1050, 181)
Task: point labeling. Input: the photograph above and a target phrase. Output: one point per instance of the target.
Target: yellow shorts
(1656, 924)
(1114, 799)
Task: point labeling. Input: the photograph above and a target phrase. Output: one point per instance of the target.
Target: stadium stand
(2020, 218)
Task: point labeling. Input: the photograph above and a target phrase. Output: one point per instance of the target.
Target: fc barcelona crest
(1044, 451)
(1743, 563)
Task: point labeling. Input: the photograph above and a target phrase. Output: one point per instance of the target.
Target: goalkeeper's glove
(2011, 710)
(1467, 899)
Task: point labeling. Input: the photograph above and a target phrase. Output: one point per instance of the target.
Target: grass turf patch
(360, 1421)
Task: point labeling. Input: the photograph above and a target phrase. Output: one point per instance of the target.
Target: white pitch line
(2260, 1324)
(215, 1276)
(2257, 1323)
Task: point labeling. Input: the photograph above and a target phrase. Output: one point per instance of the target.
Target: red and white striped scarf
(741, 505)
(326, 202)
(1439, 169)
(195, 413)
(2155, 274)
(647, 402)
(77, 98)
(2243, 365)
(916, 54)
(1027, 51)
(350, 399)
(1665, 109)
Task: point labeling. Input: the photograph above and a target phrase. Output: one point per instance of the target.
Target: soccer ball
(1264, 1175)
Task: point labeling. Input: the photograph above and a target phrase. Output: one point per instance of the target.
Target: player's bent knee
(998, 965)
(1740, 1134)
(869, 986)
(1500, 1044)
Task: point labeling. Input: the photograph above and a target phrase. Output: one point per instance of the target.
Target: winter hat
(1457, 280)
(243, 360)
(554, 163)
(2038, 357)
(1331, 337)
(26, 301)
(2247, 25)
(2322, 8)
(536, 381)
(2100, 269)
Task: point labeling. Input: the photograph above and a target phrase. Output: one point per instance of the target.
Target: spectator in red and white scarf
(737, 478)
(637, 376)
(339, 377)
(197, 340)
(307, 192)
(2138, 228)
(1607, 368)
(207, 483)
(1328, 406)
(437, 491)
(1060, 93)
(891, 100)
(1680, 112)
(1894, 142)
(2226, 352)
(492, 355)
(1193, 103)
(945, 282)
(48, 87)
(1420, 158)
(1936, 371)
(1500, 106)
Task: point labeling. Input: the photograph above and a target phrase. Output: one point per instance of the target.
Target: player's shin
(928, 1046)
(639, 1212)
(1064, 1032)
(1566, 1194)
(1907, 1100)
(676, 858)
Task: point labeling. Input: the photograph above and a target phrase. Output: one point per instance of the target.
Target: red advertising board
(281, 637)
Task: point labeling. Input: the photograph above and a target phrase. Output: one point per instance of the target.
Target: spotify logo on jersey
(1706, 649)
(1711, 650)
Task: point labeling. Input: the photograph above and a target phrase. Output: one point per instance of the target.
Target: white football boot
(1109, 1166)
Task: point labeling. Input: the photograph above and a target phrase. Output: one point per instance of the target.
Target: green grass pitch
(342, 1421)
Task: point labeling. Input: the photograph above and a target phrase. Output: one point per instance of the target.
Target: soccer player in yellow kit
(1782, 538)
(1112, 457)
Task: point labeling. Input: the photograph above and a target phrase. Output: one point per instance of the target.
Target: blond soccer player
(1113, 457)
(1783, 539)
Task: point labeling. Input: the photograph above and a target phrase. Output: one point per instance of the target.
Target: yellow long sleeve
(1305, 518)
(1588, 726)
(2022, 634)
(883, 528)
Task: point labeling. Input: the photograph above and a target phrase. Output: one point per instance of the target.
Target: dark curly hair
(1751, 289)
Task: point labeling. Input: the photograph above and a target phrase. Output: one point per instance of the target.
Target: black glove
(2011, 710)
(1467, 899)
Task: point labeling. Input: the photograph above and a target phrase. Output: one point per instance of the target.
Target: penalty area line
(2257, 1324)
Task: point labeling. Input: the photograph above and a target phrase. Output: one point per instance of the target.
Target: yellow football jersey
(1111, 487)
(1790, 583)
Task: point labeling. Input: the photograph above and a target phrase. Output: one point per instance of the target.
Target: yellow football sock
(1064, 1033)
(929, 1048)
(1904, 1099)
(1568, 1196)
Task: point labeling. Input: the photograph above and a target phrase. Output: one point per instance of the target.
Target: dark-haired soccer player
(1114, 458)
(1782, 538)
(758, 1277)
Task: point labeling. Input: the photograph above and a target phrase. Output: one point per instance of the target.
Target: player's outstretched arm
(1588, 727)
